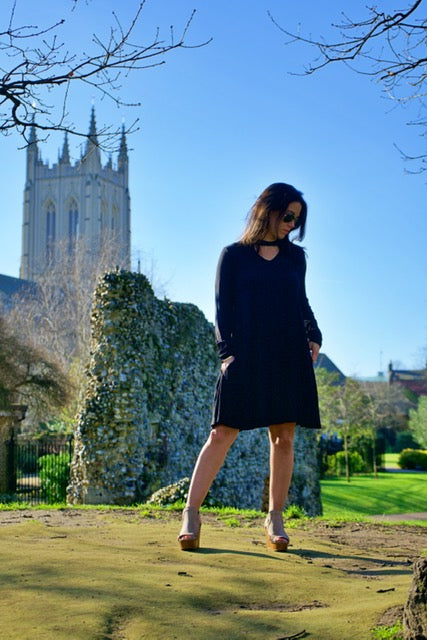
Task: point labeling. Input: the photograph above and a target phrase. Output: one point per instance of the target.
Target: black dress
(264, 320)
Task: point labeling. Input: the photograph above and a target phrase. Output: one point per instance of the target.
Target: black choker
(269, 243)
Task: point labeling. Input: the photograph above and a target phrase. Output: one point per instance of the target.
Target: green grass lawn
(366, 496)
(363, 496)
(389, 460)
(391, 457)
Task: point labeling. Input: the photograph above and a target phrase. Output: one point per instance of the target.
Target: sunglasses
(288, 216)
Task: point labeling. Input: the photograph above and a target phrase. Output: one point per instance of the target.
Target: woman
(268, 340)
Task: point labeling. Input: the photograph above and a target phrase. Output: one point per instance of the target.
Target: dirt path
(399, 517)
(119, 575)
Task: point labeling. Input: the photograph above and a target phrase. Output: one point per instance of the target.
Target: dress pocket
(229, 372)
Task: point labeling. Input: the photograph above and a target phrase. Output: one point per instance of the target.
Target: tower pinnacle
(32, 147)
(64, 158)
(32, 139)
(92, 145)
(123, 151)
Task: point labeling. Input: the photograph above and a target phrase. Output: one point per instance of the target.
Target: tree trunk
(374, 454)
(347, 462)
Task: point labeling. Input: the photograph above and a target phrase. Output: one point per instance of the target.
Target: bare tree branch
(388, 46)
(40, 63)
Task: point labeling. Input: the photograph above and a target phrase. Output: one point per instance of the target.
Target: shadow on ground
(100, 575)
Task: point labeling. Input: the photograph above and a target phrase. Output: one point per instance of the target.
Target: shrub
(413, 459)
(336, 463)
(384, 632)
(8, 498)
(54, 476)
(175, 492)
(294, 512)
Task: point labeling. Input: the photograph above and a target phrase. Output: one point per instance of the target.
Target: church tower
(67, 203)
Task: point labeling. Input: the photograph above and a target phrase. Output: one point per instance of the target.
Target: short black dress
(264, 320)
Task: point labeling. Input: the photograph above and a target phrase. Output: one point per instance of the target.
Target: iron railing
(38, 470)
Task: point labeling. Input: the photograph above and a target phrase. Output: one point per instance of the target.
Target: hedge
(414, 459)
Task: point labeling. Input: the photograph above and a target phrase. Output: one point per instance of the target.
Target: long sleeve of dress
(311, 327)
(224, 301)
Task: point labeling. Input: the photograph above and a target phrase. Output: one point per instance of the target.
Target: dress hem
(264, 426)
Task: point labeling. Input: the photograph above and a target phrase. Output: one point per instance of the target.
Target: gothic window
(115, 218)
(50, 231)
(103, 218)
(73, 224)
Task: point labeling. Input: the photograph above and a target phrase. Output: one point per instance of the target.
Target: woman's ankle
(191, 507)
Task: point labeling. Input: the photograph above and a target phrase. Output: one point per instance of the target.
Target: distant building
(67, 203)
(414, 380)
(323, 362)
(380, 377)
(9, 286)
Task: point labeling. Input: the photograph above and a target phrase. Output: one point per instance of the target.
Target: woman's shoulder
(298, 253)
(235, 249)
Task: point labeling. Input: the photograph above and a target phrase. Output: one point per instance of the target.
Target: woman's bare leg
(209, 462)
(281, 466)
(281, 463)
(207, 466)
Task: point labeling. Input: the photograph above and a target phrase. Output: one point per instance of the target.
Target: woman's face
(278, 226)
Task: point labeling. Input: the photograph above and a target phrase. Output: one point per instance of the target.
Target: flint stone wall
(147, 407)
(415, 612)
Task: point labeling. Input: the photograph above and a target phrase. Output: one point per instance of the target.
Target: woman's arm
(314, 335)
(224, 300)
(314, 350)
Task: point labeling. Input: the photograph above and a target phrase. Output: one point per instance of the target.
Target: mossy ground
(119, 575)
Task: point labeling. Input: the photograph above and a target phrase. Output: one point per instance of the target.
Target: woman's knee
(223, 436)
(282, 436)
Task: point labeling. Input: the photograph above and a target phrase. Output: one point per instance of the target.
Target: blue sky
(221, 122)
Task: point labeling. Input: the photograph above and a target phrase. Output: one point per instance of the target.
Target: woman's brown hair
(276, 197)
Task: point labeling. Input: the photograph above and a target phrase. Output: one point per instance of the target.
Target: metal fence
(38, 470)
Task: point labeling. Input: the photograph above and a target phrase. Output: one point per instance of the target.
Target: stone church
(66, 203)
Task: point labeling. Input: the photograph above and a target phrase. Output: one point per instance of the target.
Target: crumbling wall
(148, 402)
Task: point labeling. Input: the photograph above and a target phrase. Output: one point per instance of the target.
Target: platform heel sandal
(189, 536)
(276, 536)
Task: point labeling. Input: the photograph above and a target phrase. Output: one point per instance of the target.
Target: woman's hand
(314, 349)
(226, 362)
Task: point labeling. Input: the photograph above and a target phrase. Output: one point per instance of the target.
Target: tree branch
(41, 65)
(389, 47)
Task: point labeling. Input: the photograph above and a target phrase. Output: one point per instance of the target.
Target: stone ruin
(147, 407)
(415, 611)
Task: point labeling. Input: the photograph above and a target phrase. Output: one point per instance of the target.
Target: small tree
(418, 421)
(56, 316)
(28, 376)
(343, 409)
(328, 390)
(353, 412)
(387, 404)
